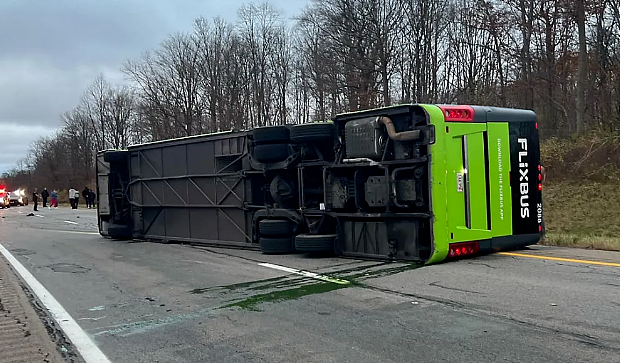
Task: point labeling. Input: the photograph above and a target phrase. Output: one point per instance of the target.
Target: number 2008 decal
(459, 182)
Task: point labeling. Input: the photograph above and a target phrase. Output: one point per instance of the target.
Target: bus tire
(115, 156)
(307, 133)
(315, 242)
(119, 231)
(276, 228)
(280, 245)
(271, 135)
(271, 153)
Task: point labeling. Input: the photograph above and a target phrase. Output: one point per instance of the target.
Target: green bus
(415, 182)
(486, 181)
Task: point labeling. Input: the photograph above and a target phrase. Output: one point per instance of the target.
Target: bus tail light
(463, 249)
(457, 113)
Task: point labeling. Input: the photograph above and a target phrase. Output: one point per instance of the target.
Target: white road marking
(87, 348)
(70, 222)
(305, 273)
(38, 215)
(95, 319)
(63, 231)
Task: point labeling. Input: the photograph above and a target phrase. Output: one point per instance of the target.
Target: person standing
(54, 202)
(35, 199)
(85, 195)
(44, 196)
(72, 194)
(92, 198)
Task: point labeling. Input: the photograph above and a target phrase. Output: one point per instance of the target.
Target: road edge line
(87, 348)
(305, 273)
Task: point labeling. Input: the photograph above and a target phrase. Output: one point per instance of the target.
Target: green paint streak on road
(364, 275)
(242, 285)
(252, 302)
(287, 288)
(282, 284)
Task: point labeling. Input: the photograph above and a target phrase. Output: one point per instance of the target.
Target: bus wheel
(271, 153)
(116, 156)
(119, 231)
(307, 133)
(276, 228)
(275, 245)
(315, 242)
(271, 135)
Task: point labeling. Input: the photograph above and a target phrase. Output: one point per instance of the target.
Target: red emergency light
(458, 113)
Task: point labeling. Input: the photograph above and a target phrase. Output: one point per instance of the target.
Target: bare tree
(260, 28)
(169, 82)
(94, 105)
(580, 15)
(560, 58)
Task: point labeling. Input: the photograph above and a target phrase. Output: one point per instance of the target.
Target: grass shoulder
(582, 215)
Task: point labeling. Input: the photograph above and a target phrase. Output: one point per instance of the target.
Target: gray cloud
(17, 141)
(67, 33)
(36, 93)
(51, 50)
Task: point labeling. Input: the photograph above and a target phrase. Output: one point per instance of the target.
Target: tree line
(560, 58)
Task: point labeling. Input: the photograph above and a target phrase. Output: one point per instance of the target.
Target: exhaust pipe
(399, 136)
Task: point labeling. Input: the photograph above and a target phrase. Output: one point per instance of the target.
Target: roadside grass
(583, 241)
(582, 215)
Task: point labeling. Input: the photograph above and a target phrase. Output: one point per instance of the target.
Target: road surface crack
(436, 284)
(474, 309)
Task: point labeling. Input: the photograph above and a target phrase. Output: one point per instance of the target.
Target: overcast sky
(51, 50)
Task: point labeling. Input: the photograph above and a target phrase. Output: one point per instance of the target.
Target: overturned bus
(415, 182)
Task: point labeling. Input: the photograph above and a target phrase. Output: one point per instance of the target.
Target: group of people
(74, 197)
(87, 194)
(44, 196)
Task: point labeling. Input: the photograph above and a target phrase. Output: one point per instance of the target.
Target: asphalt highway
(150, 302)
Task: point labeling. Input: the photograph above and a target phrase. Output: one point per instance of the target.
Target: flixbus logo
(523, 179)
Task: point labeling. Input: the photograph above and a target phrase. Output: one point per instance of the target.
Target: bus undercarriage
(360, 186)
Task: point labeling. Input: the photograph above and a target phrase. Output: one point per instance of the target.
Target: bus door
(478, 186)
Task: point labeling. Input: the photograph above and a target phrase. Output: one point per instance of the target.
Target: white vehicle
(18, 197)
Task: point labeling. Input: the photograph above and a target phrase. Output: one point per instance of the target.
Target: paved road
(147, 302)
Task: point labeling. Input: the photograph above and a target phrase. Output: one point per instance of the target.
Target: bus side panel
(193, 190)
(525, 179)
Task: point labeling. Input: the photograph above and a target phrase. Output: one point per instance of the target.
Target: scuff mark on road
(68, 267)
(436, 284)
